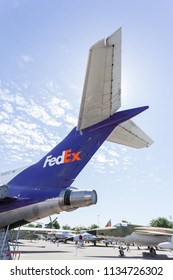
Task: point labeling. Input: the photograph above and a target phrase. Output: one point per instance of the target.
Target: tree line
(159, 222)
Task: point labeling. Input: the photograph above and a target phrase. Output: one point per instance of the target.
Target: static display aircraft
(166, 233)
(151, 237)
(49, 233)
(83, 237)
(45, 188)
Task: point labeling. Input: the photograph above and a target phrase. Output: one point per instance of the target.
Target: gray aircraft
(138, 235)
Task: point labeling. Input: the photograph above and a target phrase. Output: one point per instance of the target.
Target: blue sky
(43, 55)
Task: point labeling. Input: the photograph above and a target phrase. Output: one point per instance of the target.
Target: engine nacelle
(3, 191)
(70, 199)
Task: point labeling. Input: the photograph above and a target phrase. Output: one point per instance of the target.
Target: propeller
(50, 224)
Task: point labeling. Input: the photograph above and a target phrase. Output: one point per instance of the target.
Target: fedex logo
(65, 157)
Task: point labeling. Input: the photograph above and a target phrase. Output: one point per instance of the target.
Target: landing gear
(152, 251)
(121, 251)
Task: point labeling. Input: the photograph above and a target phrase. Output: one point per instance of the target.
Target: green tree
(53, 224)
(39, 226)
(161, 222)
(30, 225)
(80, 228)
(66, 227)
(56, 225)
(93, 226)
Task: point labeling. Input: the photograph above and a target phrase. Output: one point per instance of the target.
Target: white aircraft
(45, 188)
(51, 233)
(83, 237)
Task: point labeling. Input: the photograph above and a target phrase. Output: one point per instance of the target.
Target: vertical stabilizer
(102, 87)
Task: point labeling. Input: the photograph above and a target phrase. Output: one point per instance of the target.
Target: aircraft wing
(102, 87)
(101, 231)
(155, 231)
(34, 230)
(41, 230)
(129, 134)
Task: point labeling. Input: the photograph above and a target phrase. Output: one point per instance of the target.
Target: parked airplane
(83, 237)
(45, 188)
(50, 233)
(151, 237)
(166, 233)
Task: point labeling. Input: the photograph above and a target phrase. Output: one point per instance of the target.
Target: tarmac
(46, 250)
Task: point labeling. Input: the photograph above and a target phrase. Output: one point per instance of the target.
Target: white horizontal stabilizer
(129, 134)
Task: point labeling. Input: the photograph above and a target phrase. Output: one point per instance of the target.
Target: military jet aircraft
(152, 237)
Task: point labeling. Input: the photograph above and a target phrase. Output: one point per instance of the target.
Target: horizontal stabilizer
(102, 87)
(129, 134)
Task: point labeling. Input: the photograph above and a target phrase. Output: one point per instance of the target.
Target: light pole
(98, 220)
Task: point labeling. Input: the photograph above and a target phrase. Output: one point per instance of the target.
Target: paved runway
(46, 250)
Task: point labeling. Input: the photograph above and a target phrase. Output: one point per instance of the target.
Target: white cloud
(5, 95)
(20, 100)
(108, 160)
(28, 125)
(4, 116)
(108, 150)
(56, 110)
(51, 86)
(71, 119)
(27, 58)
(100, 157)
(6, 129)
(59, 102)
(38, 112)
(7, 107)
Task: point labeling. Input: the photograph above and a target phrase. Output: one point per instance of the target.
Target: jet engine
(71, 199)
(3, 191)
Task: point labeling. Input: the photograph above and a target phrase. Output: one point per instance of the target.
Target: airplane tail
(59, 168)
